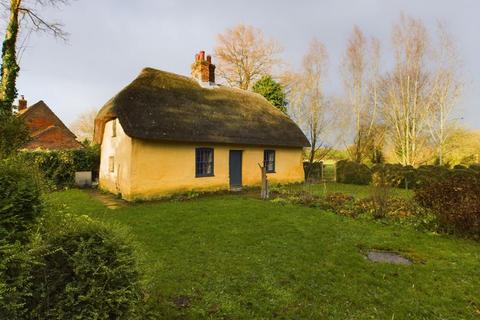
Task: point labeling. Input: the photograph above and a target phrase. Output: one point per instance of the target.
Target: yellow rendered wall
(120, 147)
(160, 168)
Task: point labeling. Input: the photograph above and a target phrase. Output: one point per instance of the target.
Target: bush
(455, 201)
(15, 280)
(20, 202)
(87, 270)
(353, 173)
(315, 171)
(59, 167)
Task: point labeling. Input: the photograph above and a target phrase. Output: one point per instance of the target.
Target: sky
(111, 41)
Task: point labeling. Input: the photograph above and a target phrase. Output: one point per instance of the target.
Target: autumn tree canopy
(244, 55)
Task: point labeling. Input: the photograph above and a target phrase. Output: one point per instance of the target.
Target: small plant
(380, 193)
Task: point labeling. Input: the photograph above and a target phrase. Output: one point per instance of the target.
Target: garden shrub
(59, 167)
(353, 173)
(315, 171)
(455, 201)
(88, 270)
(20, 199)
(15, 280)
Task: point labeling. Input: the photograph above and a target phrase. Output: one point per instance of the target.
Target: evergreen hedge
(59, 167)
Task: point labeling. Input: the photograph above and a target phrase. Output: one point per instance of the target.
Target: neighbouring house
(165, 133)
(47, 131)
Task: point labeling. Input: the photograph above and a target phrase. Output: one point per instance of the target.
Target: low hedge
(314, 171)
(399, 176)
(351, 172)
(455, 201)
(59, 167)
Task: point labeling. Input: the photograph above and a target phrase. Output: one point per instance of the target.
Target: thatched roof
(164, 106)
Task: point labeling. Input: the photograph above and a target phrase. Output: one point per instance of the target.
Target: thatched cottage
(166, 133)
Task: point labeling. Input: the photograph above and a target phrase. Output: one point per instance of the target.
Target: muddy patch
(387, 257)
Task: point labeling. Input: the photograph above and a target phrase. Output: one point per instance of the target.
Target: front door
(235, 169)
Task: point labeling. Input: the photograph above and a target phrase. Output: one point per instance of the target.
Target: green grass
(240, 258)
(358, 191)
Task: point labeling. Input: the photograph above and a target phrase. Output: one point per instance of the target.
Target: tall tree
(446, 90)
(20, 12)
(272, 91)
(244, 55)
(308, 105)
(406, 91)
(13, 132)
(360, 77)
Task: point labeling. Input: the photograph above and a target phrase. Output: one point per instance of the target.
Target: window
(114, 128)
(111, 164)
(203, 162)
(269, 160)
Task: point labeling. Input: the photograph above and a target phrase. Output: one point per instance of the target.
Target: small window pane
(114, 128)
(204, 162)
(269, 160)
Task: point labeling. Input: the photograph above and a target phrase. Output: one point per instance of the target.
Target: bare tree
(244, 55)
(22, 14)
(447, 88)
(83, 126)
(406, 91)
(360, 71)
(308, 105)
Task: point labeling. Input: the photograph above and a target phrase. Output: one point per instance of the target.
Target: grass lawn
(355, 190)
(233, 257)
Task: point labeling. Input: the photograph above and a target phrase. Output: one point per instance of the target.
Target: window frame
(199, 164)
(266, 161)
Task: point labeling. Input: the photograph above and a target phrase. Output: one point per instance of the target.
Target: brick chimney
(202, 69)
(22, 104)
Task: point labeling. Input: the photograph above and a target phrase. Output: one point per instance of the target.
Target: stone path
(109, 200)
(388, 257)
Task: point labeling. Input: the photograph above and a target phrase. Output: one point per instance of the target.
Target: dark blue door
(235, 168)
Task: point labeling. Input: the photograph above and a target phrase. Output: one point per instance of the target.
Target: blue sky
(112, 40)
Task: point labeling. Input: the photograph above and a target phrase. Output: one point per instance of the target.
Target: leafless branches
(308, 105)
(244, 55)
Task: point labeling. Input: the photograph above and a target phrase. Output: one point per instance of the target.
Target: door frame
(231, 186)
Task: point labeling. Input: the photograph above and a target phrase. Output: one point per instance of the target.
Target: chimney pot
(203, 70)
(22, 103)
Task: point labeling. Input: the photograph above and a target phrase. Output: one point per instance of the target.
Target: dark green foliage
(455, 201)
(313, 171)
(353, 172)
(20, 202)
(15, 280)
(88, 270)
(13, 135)
(475, 167)
(272, 91)
(59, 166)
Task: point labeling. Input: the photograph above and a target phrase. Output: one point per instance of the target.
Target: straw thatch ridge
(160, 105)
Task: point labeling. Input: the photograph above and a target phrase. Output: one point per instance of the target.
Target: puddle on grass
(387, 257)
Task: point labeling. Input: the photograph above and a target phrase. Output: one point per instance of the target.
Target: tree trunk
(264, 194)
(10, 68)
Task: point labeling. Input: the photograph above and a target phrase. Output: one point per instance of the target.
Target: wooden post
(264, 194)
